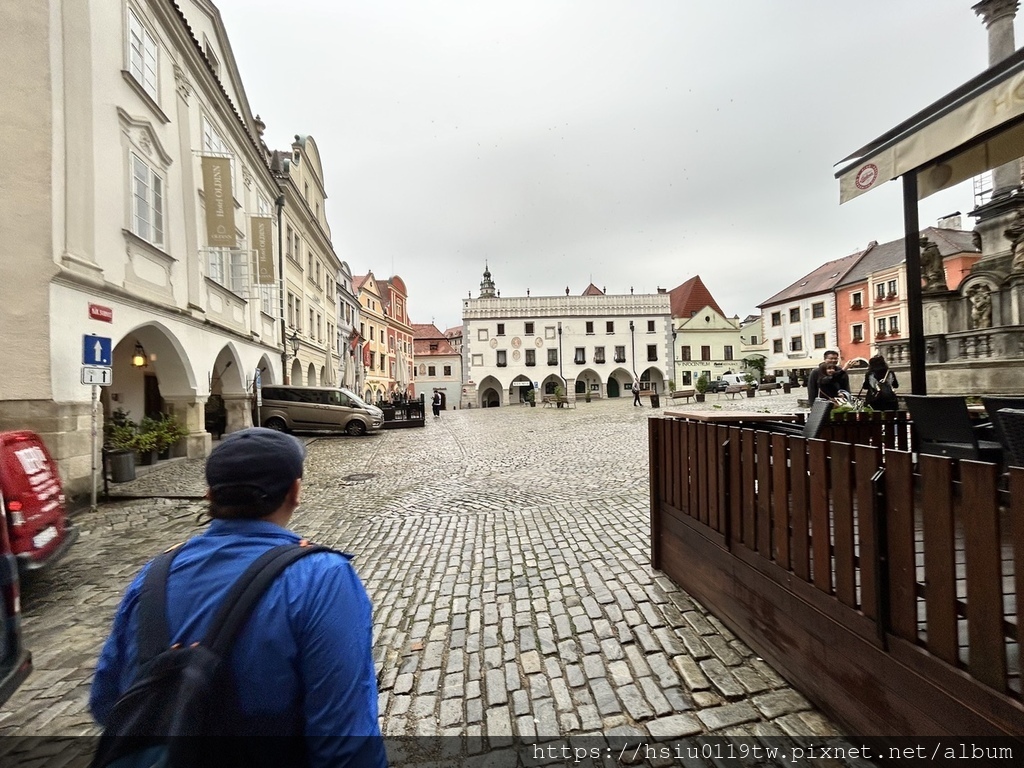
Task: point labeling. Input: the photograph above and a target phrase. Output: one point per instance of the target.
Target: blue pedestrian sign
(96, 350)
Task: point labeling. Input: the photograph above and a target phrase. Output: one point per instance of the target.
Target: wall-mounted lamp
(293, 340)
(139, 356)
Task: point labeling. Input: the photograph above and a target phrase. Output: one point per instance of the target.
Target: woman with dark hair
(828, 382)
(879, 385)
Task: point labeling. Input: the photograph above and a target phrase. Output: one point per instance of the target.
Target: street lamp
(632, 348)
(560, 355)
(293, 340)
(675, 374)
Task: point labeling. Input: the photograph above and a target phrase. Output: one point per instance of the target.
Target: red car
(15, 661)
(37, 523)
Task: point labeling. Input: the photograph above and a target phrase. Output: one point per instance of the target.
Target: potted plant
(169, 431)
(531, 397)
(147, 441)
(586, 395)
(560, 395)
(751, 384)
(119, 446)
(702, 387)
(671, 385)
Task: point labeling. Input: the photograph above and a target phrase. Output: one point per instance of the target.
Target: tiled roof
(593, 290)
(453, 332)
(691, 297)
(821, 280)
(426, 331)
(879, 257)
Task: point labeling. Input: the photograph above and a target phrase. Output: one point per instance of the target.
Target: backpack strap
(248, 589)
(154, 636)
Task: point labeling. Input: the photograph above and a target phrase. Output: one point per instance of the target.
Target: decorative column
(998, 17)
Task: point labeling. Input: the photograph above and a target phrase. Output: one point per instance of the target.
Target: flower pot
(699, 397)
(122, 466)
(751, 391)
(146, 458)
(533, 404)
(787, 388)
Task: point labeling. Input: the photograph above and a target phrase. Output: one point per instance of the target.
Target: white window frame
(147, 191)
(142, 55)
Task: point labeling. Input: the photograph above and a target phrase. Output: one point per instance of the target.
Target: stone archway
(489, 392)
(227, 409)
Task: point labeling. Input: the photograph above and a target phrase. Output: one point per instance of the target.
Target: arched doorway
(518, 388)
(613, 387)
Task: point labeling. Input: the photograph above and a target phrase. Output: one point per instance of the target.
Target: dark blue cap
(259, 458)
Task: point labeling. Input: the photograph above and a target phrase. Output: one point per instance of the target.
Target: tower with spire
(487, 285)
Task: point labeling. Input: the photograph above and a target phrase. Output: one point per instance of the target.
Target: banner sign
(220, 203)
(260, 234)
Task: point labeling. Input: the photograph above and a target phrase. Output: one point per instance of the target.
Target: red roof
(593, 290)
(822, 280)
(691, 297)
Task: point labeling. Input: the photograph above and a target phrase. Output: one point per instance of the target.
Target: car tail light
(14, 510)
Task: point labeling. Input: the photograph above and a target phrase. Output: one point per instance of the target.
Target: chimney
(950, 221)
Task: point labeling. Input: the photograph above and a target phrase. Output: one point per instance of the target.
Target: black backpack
(880, 395)
(181, 710)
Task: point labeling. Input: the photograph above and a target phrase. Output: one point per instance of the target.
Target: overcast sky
(632, 144)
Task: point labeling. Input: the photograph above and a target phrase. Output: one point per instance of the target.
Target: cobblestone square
(506, 552)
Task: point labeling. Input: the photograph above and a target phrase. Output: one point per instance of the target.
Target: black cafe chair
(993, 404)
(813, 424)
(943, 427)
(1010, 423)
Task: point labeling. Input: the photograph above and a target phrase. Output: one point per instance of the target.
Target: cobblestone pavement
(506, 552)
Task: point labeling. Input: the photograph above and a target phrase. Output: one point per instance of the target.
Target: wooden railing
(888, 592)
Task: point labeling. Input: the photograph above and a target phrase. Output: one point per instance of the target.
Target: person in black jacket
(842, 377)
(879, 385)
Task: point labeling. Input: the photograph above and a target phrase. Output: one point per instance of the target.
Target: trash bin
(655, 400)
(122, 466)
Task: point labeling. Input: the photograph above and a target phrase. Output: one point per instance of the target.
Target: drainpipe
(280, 272)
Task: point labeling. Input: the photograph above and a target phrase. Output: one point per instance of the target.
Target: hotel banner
(261, 236)
(220, 203)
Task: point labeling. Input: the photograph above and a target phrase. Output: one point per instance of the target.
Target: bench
(734, 391)
(681, 394)
(770, 388)
(554, 400)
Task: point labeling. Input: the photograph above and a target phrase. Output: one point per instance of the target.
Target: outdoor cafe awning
(977, 127)
(973, 129)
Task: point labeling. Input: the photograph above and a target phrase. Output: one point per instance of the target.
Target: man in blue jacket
(302, 665)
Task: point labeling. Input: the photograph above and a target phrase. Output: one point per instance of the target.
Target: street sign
(258, 383)
(97, 374)
(96, 350)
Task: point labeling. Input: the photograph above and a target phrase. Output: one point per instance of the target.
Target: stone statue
(932, 272)
(981, 306)
(1015, 234)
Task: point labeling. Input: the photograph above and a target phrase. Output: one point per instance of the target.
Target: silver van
(289, 409)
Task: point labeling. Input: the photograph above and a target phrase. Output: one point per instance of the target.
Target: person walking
(636, 392)
(880, 385)
(302, 671)
(435, 404)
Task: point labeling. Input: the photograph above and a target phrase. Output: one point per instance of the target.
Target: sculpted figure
(1015, 234)
(932, 273)
(981, 306)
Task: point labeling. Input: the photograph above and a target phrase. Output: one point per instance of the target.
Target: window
(598, 354)
(447, 371)
(481, 334)
(727, 354)
(880, 291)
(620, 354)
(431, 370)
(796, 344)
(433, 346)
(818, 309)
(580, 358)
(502, 358)
(590, 326)
(311, 315)
(894, 325)
(609, 327)
(856, 300)
(549, 332)
(892, 288)
(288, 239)
(794, 315)
(705, 353)
(652, 351)
(776, 318)
(501, 329)
(373, 360)
(319, 327)
(777, 346)
(552, 357)
(142, 57)
(858, 332)
(528, 329)
(148, 202)
(531, 357)
(650, 326)
(819, 341)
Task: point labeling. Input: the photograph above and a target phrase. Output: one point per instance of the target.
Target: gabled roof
(425, 336)
(822, 280)
(691, 297)
(878, 257)
(593, 290)
(426, 331)
(453, 332)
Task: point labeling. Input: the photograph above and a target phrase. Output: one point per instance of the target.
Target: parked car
(34, 505)
(15, 661)
(727, 380)
(293, 408)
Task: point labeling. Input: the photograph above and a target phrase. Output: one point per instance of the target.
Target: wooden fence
(887, 592)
